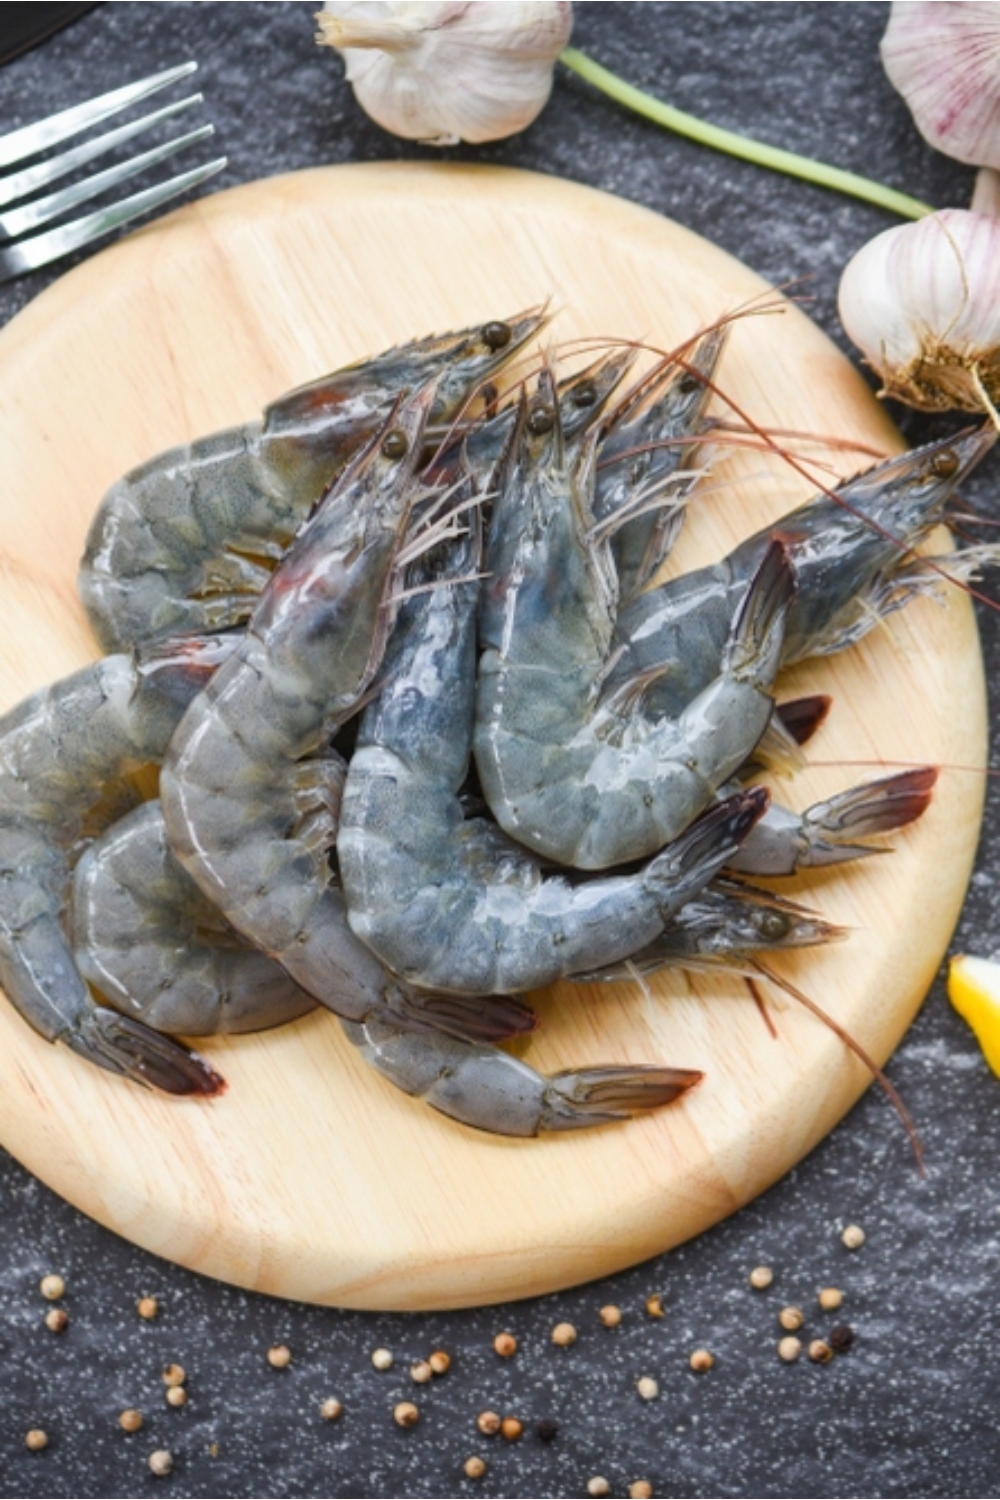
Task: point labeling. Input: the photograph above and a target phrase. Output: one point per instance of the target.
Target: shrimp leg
(59, 750)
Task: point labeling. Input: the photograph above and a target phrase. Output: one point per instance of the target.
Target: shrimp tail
(595, 1096)
(826, 833)
(802, 717)
(753, 650)
(490, 1090)
(686, 866)
(127, 1047)
(478, 1018)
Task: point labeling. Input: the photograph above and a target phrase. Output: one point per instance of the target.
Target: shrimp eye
(945, 465)
(585, 394)
(394, 444)
(773, 925)
(496, 335)
(542, 420)
(688, 384)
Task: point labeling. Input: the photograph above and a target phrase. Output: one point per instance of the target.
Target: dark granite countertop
(912, 1408)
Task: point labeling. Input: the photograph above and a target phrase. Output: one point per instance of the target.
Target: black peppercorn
(547, 1429)
(841, 1338)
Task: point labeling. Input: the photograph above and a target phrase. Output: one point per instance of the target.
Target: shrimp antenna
(854, 1046)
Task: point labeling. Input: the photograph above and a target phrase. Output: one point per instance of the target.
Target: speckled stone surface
(912, 1409)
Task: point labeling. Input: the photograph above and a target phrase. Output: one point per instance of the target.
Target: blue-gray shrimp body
(147, 939)
(576, 773)
(451, 903)
(61, 750)
(187, 541)
(853, 563)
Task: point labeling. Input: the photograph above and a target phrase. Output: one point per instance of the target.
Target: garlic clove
(944, 58)
(440, 73)
(922, 302)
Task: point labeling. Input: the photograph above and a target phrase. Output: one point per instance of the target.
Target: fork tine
(40, 249)
(30, 179)
(30, 139)
(19, 220)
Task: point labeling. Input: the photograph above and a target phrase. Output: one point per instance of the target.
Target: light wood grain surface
(312, 1178)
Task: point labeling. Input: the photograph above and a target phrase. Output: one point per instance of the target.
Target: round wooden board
(311, 1177)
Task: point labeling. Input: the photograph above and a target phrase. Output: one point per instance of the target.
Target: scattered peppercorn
(130, 1420)
(331, 1409)
(382, 1359)
(791, 1318)
(546, 1429)
(640, 1490)
(841, 1338)
(701, 1360)
(761, 1277)
(405, 1414)
(440, 1362)
(853, 1237)
(147, 1307)
(421, 1372)
(475, 1467)
(56, 1321)
(598, 1485)
(610, 1316)
(488, 1422)
(830, 1299)
(505, 1345)
(511, 1429)
(176, 1395)
(161, 1462)
(654, 1306)
(647, 1388)
(36, 1439)
(52, 1288)
(279, 1356)
(789, 1349)
(174, 1375)
(564, 1334)
(820, 1352)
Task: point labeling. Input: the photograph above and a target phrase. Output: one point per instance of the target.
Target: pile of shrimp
(430, 733)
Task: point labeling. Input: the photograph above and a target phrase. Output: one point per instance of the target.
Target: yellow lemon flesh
(974, 991)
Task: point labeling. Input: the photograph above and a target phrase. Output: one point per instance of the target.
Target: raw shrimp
(154, 944)
(60, 751)
(249, 792)
(148, 940)
(853, 564)
(449, 902)
(187, 541)
(577, 774)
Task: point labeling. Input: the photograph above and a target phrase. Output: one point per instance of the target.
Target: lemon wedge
(974, 991)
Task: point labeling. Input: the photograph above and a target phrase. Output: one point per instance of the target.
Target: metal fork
(21, 145)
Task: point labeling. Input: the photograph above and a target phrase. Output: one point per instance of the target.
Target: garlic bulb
(922, 302)
(944, 58)
(441, 73)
